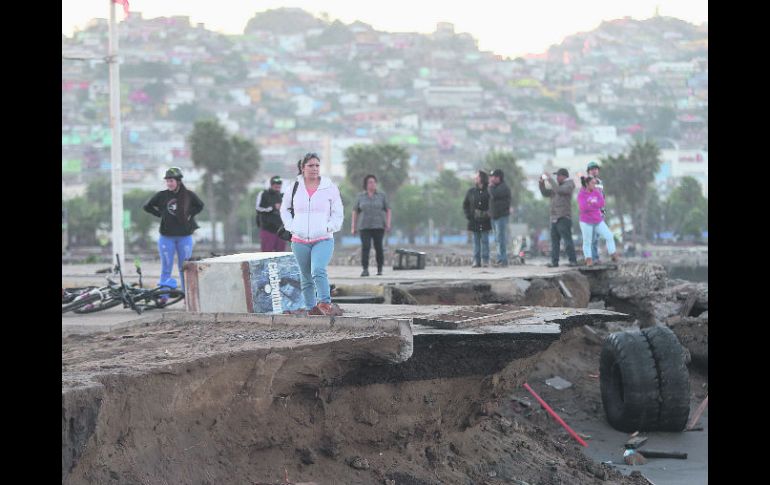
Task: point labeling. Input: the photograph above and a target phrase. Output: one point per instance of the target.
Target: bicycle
(74, 298)
(136, 298)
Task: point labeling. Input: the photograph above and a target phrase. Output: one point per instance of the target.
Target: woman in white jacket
(316, 216)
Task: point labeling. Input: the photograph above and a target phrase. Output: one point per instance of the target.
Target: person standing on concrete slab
(313, 215)
(500, 203)
(591, 203)
(476, 208)
(269, 218)
(176, 206)
(560, 193)
(374, 222)
(593, 170)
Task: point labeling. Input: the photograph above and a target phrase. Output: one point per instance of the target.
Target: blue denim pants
(480, 246)
(592, 232)
(312, 260)
(168, 246)
(500, 225)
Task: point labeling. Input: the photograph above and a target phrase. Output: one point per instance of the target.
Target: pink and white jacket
(590, 204)
(315, 217)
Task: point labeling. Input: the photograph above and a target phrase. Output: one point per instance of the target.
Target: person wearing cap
(500, 210)
(593, 171)
(176, 206)
(561, 214)
(269, 217)
(476, 208)
(371, 217)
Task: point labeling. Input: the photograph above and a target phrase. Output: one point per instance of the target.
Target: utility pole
(118, 242)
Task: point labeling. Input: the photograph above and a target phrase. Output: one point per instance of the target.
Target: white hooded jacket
(315, 217)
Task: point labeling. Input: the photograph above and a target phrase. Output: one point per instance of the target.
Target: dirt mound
(135, 410)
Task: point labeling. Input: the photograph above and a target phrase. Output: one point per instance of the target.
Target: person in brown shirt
(561, 214)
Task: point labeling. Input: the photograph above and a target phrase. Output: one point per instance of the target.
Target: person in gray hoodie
(560, 193)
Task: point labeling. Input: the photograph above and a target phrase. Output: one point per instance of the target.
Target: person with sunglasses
(313, 213)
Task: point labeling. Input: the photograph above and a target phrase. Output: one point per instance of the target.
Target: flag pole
(118, 243)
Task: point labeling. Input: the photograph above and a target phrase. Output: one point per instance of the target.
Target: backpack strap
(293, 191)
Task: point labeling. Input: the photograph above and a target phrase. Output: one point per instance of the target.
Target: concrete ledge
(386, 324)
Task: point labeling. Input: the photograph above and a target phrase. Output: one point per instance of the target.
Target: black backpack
(282, 232)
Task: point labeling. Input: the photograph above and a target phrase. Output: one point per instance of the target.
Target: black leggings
(366, 242)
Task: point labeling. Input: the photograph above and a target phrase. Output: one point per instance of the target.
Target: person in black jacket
(269, 217)
(500, 201)
(476, 208)
(176, 208)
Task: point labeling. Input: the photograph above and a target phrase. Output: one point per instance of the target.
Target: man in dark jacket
(269, 217)
(561, 214)
(476, 208)
(500, 202)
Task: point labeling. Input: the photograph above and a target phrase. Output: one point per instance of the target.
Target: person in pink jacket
(591, 202)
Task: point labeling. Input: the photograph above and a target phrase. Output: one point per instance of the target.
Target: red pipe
(555, 416)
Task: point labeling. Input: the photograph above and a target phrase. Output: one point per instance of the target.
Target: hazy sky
(508, 27)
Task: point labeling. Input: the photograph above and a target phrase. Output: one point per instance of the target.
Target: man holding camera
(560, 193)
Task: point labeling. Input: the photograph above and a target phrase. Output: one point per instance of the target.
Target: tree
(644, 162)
(613, 170)
(141, 221)
(655, 214)
(410, 209)
(244, 164)
(389, 163)
(443, 207)
(536, 213)
(210, 150)
(628, 179)
(83, 219)
(687, 208)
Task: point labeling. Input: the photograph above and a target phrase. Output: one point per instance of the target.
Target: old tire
(673, 378)
(629, 382)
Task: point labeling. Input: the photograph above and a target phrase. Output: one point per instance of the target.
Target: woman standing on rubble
(591, 203)
(312, 212)
(176, 207)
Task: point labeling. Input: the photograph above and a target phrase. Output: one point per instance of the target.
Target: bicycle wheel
(163, 297)
(108, 302)
(70, 294)
(79, 302)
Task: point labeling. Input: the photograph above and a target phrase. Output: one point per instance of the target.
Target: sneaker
(365, 272)
(486, 264)
(476, 265)
(328, 309)
(379, 271)
(552, 265)
(615, 257)
(572, 265)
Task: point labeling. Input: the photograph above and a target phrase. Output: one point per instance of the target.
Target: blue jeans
(182, 246)
(592, 232)
(480, 246)
(313, 259)
(500, 225)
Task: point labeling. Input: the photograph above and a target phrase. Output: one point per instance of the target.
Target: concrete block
(244, 283)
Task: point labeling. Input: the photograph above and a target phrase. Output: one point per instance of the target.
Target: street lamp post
(118, 243)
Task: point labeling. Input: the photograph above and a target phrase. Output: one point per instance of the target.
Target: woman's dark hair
(584, 179)
(182, 202)
(305, 159)
(484, 177)
(366, 179)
